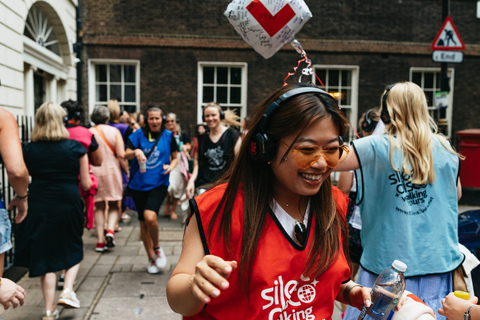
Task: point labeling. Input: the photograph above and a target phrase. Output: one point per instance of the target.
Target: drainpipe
(78, 46)
(444, 81)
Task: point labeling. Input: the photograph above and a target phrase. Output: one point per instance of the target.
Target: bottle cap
(462, 294)
(399, 265)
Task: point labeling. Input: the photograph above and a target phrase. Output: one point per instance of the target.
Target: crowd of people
(268, 234)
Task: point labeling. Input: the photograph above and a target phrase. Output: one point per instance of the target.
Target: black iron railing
(25, 127)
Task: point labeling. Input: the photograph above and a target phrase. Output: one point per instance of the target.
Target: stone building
(37, 62)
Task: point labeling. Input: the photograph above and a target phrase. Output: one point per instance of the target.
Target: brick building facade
(184, 53)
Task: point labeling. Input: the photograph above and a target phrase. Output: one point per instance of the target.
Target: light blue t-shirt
(417, 224)
(154, 176)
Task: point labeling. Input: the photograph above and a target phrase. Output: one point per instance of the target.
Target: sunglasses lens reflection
(306, 157)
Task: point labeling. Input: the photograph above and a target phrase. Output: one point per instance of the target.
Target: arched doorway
(47, 57)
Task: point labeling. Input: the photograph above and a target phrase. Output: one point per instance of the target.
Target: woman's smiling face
(291, 181)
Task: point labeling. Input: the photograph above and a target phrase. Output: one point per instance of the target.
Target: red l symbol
(271, 24)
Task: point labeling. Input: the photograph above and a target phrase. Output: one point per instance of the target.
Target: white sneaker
(160, 258)
(49, 315)
(152, 268)
(68, 299)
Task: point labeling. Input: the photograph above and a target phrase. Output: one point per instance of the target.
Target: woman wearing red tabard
(267, 241)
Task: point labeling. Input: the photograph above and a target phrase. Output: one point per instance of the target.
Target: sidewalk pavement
(115, 284)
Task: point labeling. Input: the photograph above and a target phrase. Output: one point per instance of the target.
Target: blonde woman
(216, 149)
(408, 190)
(50, 237)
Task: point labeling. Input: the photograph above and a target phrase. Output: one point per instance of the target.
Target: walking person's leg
(48, 289)
(68, 298)
(154, 201)
(113, 215)
(100, 225)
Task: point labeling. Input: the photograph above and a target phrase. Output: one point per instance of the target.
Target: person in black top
(216, 150)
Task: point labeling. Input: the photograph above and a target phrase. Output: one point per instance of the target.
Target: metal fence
(25, 124)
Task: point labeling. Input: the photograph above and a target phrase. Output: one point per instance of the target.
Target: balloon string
(294, 71)
(309, 70)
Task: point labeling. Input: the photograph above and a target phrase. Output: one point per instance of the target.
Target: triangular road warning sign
(448, 37)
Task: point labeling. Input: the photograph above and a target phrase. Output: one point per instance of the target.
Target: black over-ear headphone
(164, 115)
(367, 124)
(262, 147)
(222, 114)
(384, 114)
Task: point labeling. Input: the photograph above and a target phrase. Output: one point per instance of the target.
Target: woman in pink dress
(110, 186)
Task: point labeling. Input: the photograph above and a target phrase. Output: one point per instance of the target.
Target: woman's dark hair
(254, 180)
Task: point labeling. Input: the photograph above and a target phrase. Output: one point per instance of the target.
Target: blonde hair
(114, 108)
(49, 123)
(231, 118)
(413, 128)
(173, 116)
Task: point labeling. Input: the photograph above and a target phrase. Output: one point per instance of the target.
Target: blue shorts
(5, 231)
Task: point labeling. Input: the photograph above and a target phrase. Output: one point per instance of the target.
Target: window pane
(116, 92)
(236, 76)
(222, 94)
(129, 108)
(417, 78)
(333, 78)
(101, 73)
(129, 93)
(115, 73)
(428, 80)
(438, 81)
(235, 95)
(222, 75)
(346, 78)
(129, 73)
(429, 95)
(101, 92)
(347, 97)
(208, 75)
(322, 75)
(208, 94)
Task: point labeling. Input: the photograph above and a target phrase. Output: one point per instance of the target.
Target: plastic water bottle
(386, 293)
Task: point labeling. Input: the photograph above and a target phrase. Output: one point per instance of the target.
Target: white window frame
(242, 105)
(92, 103)
(451, 82)
(353, 107)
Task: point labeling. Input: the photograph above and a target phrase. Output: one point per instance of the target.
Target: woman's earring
(285, 158)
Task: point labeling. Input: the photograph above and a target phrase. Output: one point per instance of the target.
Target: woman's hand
(168, 168)
(22, 208)
(360, 296)
(11, 293)
(210, 278)
(190, 190)
(140, 156)
(454, 308)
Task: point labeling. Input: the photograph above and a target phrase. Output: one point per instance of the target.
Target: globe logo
(306, 293)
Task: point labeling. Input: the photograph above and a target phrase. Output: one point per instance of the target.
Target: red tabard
(81, 134)
(278, 289)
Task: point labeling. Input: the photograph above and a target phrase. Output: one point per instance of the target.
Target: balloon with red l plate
(267, 25)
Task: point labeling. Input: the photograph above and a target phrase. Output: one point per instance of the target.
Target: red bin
(469, 146)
